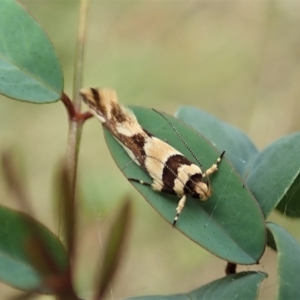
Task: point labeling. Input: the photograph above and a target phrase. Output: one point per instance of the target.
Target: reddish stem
(69, 106)
(85, 116)
(73, 114)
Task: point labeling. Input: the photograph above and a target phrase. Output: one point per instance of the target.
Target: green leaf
(288, 263)
(275, 178)
(29, 68)
(240, 151)
(16, 266)
(290, 203)
(240, 286)
(230, 224)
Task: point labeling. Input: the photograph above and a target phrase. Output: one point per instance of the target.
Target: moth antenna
(180, 137)
(127, 164)
(183, 142)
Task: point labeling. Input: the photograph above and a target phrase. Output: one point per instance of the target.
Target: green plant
(34, 259)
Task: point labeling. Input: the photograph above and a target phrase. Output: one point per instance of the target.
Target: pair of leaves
(18, 259)
(33, 259)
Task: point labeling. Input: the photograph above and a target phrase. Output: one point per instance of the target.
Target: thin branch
(69, 106)
(73, 115)
(78, 65)
(85, 116)
(75, 128)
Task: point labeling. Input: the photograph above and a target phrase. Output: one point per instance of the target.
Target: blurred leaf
(240, 286)
(230, 224)
(16, 266)
(113, 249)
(288, 263)
(274, 176)
(55, 277)
(240, 150)
(29, 68)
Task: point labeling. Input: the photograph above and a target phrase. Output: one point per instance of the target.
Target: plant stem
(78, 64)
(75, 128)
(68, 105)
(68, 213)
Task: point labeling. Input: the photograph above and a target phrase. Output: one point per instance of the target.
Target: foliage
(231, 225)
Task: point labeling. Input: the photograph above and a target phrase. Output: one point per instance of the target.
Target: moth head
(204, 190)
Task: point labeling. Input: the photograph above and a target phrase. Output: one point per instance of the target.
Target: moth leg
(140, 181)
(179, 208)
(214, 167)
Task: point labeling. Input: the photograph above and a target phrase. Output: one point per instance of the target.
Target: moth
(169, 169)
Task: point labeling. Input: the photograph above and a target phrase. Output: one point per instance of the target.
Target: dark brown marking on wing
(117, 113)
(139, 141)
(98, 104)
(168, 189)
(96, 96)
(136, 143)
(170, 171)
(190, 185)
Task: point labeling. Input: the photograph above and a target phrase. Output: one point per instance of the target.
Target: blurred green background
(238, 60)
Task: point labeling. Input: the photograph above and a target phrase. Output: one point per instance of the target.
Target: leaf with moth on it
(240, 286)
(230, 223)
(29, 67)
